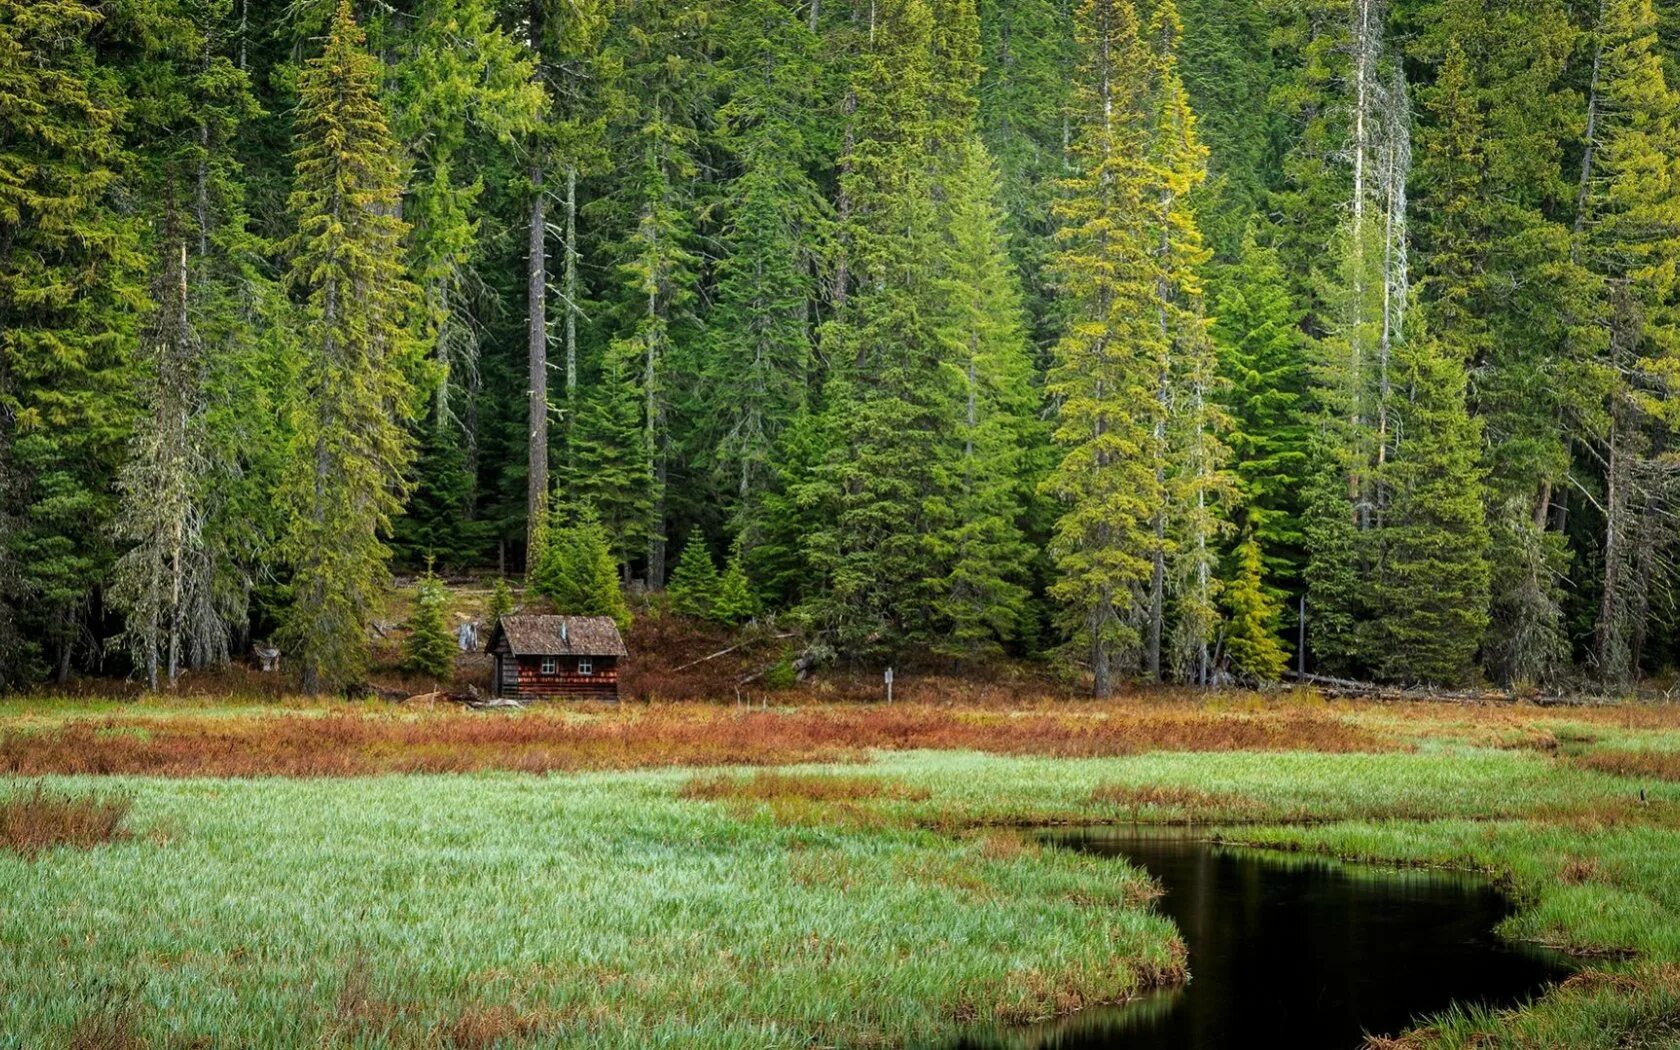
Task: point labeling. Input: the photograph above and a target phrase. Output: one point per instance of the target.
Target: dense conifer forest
(1123, 334)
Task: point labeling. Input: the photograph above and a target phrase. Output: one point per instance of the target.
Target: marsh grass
(34, 819)
(876, 894)
(1646, 764)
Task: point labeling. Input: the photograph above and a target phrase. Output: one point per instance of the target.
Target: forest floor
(295, 873)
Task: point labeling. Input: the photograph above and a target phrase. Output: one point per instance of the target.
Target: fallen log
(1349, 688)
(726, 652)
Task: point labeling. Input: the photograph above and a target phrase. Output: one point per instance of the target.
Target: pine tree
(1027, 48)
(349, 449)
(735, 603)
(694, 582)
(69, 292)
(429, 650)
(1336, 596)
(462, 90)
(1251, 627)
(1197, 483)
(610, 467)
(664, 55)
(1105, 363)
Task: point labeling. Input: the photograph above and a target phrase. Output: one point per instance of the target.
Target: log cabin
(556, 658)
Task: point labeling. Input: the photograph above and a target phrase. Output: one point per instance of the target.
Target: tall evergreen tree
(1631, 242)
(1263, 361)
(1105, 363)
(69, 293)
(1431, 600)
(350, 451)
(985, 598)
(757, 365)
(885, 479)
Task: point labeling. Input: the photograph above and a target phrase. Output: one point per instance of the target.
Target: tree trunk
(536, 306)
(536, 485)
(571, 283)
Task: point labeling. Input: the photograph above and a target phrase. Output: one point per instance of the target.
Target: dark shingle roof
(563, 636)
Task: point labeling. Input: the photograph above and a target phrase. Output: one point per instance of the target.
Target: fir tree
(694, 583)
(1252, 624)
(578, 572)
(1262, 355)
(69, 293)
(1431, 600)
(986, 599)
(349, 451)
(429, 650)
(735, 603)
(501, 602)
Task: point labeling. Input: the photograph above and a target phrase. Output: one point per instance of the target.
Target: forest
(1142, 337)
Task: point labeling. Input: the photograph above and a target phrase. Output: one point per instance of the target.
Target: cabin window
(550, 665)
(585, 665)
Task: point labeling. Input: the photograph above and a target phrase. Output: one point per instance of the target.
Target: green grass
(610, 910)
(594, 910)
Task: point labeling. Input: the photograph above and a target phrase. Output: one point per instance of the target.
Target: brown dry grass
(35, 820)
(1650, 765)
(770, 786)
(1136, 796)
(347, 741)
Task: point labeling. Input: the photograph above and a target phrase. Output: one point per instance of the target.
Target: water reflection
(1296, 951)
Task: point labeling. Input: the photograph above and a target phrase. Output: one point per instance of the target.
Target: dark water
(1289, 951)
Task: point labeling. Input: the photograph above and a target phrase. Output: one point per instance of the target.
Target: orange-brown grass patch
(35, 820)
(1170, 796)
(1651, 765)
(345, 741)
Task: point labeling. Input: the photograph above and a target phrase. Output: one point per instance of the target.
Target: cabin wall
(529, 683)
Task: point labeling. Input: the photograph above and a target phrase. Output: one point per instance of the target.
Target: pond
(1295, 951)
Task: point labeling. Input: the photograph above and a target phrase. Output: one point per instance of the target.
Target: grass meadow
(832, 875)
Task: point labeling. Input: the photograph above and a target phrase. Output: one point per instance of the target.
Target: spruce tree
(694, 582)
(429, 650)
(349, 449)
(1252, 623)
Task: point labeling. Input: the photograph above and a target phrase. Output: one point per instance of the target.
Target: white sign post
(889, 677)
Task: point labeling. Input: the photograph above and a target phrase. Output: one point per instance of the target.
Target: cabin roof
(561, 636)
